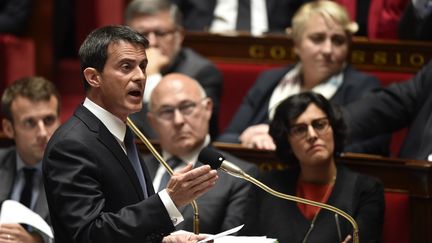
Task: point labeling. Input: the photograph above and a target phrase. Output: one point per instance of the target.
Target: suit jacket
(222, 207)
(14, 15)
(407, 104)
(198, 15)
(254, 109)
(362, 197)
(93, 192)
(205, 72)
(8, 162)
(412, 27)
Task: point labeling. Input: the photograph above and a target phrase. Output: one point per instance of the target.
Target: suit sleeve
(73, 178)
(236, 208)
(391, 108)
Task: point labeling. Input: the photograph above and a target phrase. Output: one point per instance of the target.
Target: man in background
(30, 107)
(160, 22)
(180, 112)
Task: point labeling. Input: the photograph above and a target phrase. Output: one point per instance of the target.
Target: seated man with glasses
(160, 22)
(179, 112)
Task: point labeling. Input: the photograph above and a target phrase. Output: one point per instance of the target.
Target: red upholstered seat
(17, 59)
(396, 218)
(238, 78)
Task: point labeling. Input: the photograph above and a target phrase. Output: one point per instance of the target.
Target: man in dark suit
(199, 15)
(407, 104)
(416, 21)
(160, 22)
(98, 189)
(180, 113)
(30, 109)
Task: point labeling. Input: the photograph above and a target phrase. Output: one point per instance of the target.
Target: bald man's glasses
(185, 108)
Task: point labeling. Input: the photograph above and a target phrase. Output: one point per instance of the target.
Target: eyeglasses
(320, 126)
(158, 33)
(186, 108)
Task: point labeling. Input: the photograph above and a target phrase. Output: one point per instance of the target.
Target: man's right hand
(156, 60)
(187, 184)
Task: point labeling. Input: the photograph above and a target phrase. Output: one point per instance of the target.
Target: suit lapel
(107, 139)
(41, 206)
(7, 175)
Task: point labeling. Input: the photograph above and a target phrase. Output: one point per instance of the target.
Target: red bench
(239, 77)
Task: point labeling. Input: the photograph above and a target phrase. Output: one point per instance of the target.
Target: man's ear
(92, 76)
(209, 107)
(151, 119)
(8, 128)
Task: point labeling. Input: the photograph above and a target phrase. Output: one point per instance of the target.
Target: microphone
(217, 161)
(155, 153)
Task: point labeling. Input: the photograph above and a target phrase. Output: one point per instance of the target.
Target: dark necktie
(244, 15)
(26, 193)
(132, 154)
(172, 162)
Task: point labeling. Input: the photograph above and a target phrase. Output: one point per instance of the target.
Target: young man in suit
(179, 112)
(98, 189)
(30, 109)
(160, 21)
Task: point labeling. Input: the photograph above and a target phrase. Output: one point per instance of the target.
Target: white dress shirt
(225, 16)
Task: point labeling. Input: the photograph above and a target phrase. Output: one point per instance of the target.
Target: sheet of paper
(225, 233)
(14, 212)
(245, 239)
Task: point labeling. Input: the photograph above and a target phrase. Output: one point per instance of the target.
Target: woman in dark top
(309, 133)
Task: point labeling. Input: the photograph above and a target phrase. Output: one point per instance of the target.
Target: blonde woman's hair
(329, 10)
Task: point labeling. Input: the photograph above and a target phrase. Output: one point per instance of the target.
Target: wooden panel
(388, 55)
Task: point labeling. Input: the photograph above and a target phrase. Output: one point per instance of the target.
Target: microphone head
(211, 157)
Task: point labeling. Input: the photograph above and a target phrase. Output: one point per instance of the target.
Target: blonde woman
(321, 31)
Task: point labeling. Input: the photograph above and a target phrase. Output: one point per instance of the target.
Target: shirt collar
(114, 125)
(20, 164)
(191, 157)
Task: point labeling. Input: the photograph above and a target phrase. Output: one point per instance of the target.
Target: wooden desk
(388, 55)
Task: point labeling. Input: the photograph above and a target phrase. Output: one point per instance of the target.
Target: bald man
(179, 112)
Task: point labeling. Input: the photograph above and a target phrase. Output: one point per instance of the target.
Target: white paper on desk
(225, 233)
(14, 212)
(245, 239)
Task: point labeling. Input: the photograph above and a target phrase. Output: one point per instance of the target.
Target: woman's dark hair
(290, 109)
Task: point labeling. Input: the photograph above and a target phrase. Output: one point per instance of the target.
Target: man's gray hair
(152, 7)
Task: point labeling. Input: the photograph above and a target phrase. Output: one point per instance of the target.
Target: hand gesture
(187, 184)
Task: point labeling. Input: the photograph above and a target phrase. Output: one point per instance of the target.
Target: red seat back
(238, 79)
(396, 218)
(17, 59)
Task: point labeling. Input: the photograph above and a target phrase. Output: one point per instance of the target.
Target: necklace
(312, 209)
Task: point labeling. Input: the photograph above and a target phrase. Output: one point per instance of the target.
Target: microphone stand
(155, 153)
(300, 200)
